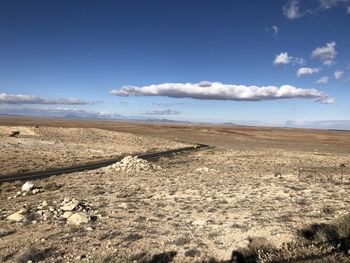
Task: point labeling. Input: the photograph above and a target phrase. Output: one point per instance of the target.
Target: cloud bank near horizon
(206, 90)
(161, 112)
(31, 99)
(59, 112)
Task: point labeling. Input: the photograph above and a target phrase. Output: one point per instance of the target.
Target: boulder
(16, 217)
(27, 186)
(78, 219)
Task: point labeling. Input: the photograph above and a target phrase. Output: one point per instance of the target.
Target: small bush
(51, 186)
(33, 254)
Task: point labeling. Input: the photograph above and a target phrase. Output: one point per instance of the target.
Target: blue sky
(67, 57)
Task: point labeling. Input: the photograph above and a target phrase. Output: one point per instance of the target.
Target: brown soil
(200, 205)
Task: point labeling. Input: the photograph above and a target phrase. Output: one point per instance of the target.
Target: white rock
(27, 186)
(78, 219)
(16, 217)
(35, 191)
(70, 205)
(199, 222)
(123, 205)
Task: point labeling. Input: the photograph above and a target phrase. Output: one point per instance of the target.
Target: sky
(271, 63)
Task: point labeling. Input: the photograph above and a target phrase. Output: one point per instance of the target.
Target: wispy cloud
(218, 91)
(161, 112)
(59, 112)
(307, 71)
(325, 53)
(283, 59)
(292, 9)
(328, 62)
(338, 74)
(31, 99)
(323, 80)
(275, 30)
(321, 124)
(326, 100)
(327, 4)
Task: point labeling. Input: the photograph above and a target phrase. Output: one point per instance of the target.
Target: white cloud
(30, 99)
(328, 62)
(348, 10)
(325, 53)
(283, 59)
(59, 112)
(307, 71)
(292, 10)
(161, 112)
(275, 30)
(323, 80)
(338, 74)
(218, 91)
(326, 4)
(326, 100)
(320, 124)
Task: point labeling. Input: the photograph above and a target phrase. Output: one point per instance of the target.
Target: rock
(67, 214)
(43, 205)
(205, 170)
(16, 217)
(78, 219)
(26, 187)
(124, 205)
(5, 232)
(130, 164)
(199, 222)
(51, 186)
(69, 204)
(15, 134)
(35, 191)
(47, 215)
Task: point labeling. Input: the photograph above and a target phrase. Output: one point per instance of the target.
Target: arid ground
(191, 207)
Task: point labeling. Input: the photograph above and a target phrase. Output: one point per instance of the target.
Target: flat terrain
(226, 136)
(197, 205)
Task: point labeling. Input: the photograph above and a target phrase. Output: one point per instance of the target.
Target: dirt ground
(191, 207)
(46, 147)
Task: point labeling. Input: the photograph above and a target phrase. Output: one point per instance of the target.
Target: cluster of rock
(70, 210)
(27, 189)
(132, 164)
(205, 170)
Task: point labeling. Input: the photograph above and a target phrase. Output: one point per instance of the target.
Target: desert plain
(193, 207)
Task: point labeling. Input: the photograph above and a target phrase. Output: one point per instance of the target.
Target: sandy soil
(44, 147)
(199, 205)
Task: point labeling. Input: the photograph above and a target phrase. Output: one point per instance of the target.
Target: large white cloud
(219, 91)
(325, 53)
(307, 71)
(292, 9)
(30, 99)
